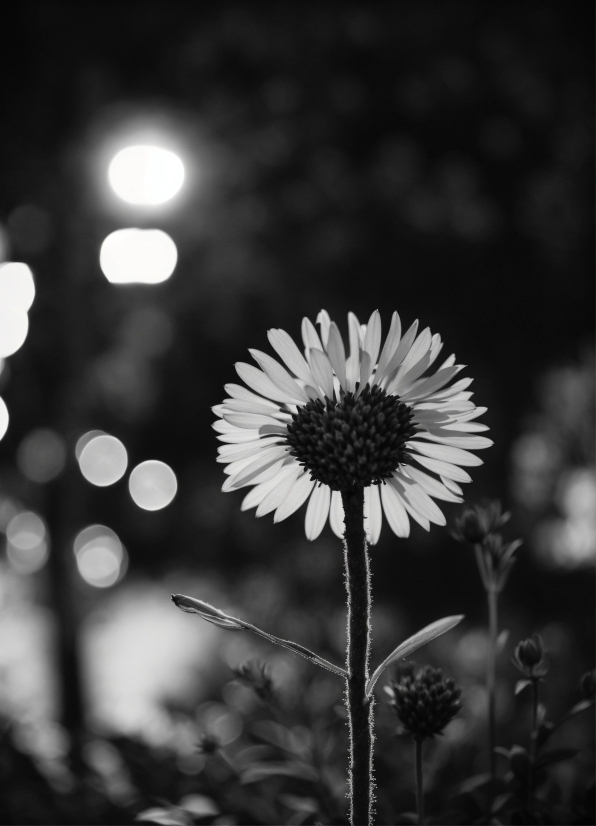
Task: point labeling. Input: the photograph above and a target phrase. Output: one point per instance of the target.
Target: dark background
(429, 158)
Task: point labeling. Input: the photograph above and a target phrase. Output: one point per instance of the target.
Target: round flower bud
(424, 702)
(530, 657)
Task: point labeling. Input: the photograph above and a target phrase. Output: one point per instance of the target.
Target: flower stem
(360, 711)
(493, 627)
(419, 789)
(533, 736)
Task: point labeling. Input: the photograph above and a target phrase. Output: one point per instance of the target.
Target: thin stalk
(419, 787)
(360, 710)
(491, 670)
(533, 735)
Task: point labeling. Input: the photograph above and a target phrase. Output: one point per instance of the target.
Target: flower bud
(424, 702)
(530, 657)
(476, 523)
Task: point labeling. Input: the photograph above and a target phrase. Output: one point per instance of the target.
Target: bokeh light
(101, 558)
(84, 440)
(152, 485)
(41, 455)
(103, 460)
(26, 542)
(14, 325)
(17, 288)
(138, 256)
(4, 418)
(146, 175)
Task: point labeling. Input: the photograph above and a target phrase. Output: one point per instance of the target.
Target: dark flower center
(355, 442)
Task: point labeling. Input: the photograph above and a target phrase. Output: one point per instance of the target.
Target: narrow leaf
(214, 615)
(413, 643)
(520, 685)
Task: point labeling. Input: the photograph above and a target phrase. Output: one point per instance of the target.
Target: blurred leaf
(579, 707)
(413, 643)
(500, 802)
(502, 640)
(520, 763)
(520, 685)
(261, 771)
(165, 817)
(477, 781)
(199, 805)
(299, 804)
(554, 756)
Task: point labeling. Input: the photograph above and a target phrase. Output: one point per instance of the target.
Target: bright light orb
(14, 325)
(3, 418)
(27, 545)
(17, 288)
(138, 256)
(152, 485)
(101, 558)
(146, 175)
(103, 460)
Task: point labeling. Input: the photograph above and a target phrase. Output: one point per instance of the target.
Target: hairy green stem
(419, 787)
(360, 710)
(491, 671)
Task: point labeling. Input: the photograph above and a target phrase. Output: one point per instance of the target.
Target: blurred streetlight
(146, 175)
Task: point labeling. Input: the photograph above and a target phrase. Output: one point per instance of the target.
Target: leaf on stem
(413, 643)
(502, 640)
(208, 612)
(520, 685)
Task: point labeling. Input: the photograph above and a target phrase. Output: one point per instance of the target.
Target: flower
(477, 523)
(424, 702)
(256, 675)
(322, 423)
(530, 657)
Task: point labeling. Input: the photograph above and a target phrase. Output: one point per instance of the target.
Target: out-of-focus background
(429, 158)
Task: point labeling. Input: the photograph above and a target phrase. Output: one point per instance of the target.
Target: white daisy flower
(323, 422)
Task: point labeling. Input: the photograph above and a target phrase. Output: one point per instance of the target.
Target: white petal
(373, 513)
(454, 455)
(258, 493)
(465, 442)
(336, 514)
(337, 354)
(224, 427)
(472, 414)
(353, 362)
(443, 468)
(466, 427)
(310, 337)
(218, 409)
(261, 383)
(453, 486)
(325, 322)
(240, 406)
(395, 511)
(296, 497)
(431, 485)
(250, 421)
(428, 386)
(279, 376)
(366, 368)
(266, 460)
(436, 347)
(237, 391)
(239, 436)
(404, 381)
(401, 352)
(287, 349)
(284, 485)
(233, 453)
(372, 338)
(322, 371)
(317, 511)
(412, 493)
(390, 346)
(450, 392)
(268, 472)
